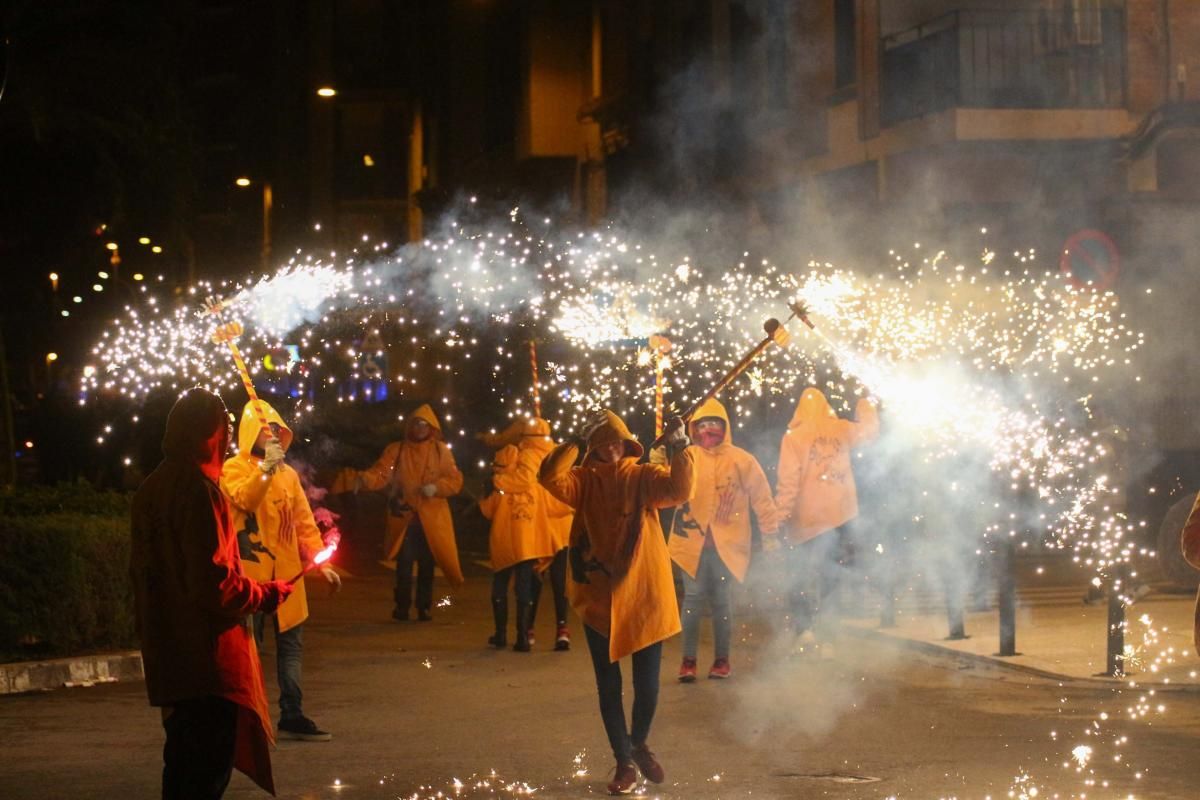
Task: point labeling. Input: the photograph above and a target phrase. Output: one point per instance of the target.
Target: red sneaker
(720, 668)
(624, 780)
(529, 635)
(687, 670)
(648, 764)
(562, 640)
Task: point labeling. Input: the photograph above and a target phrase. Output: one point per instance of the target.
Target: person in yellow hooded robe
(620, 580)
(516, 543)
(710, 540)
(418, 474)
(277, 537)
(531, 436)
(815, 494)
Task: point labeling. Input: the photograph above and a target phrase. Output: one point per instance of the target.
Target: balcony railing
(1023, 58)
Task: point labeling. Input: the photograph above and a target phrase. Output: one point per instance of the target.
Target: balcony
(1011, 59)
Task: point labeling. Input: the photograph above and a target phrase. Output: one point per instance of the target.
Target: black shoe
(521, 645)
(302, 728)
(400, 615)
(498, 641)
(423, 616)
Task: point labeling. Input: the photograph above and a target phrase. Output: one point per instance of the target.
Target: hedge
(64, 573)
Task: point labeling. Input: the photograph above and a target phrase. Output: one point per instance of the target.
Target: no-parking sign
(1090, 259)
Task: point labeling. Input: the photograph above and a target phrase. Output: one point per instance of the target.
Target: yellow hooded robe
(630, 594)
(816, 491)
(728, 482)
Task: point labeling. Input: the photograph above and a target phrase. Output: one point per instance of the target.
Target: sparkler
(660, 346)
(533, 369)
(323, 555)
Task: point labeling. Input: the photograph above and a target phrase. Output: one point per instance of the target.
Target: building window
(845, 44)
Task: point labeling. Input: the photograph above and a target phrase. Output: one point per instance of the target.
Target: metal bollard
(1115, 656)
(1006, 590)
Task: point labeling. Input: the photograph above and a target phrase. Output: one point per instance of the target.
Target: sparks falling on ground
(985, 368)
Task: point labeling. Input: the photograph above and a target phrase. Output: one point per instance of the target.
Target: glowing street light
(54, 281)
(326, 91)
(143, 240)
(112, 245)
(137, 276)
(156, 249)
(243, 181)
(51, 358)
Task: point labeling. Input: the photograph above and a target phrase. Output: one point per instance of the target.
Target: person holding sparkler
(710, 540)
(516, 542)
(277, 537)
(418, 473)
(531, 436)
(191, 600)
(621, 571)
(816, 494)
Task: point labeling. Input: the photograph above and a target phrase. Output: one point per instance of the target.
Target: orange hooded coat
(515, 534)
(277, 535)
(403, 468)
(815, 491)
(728, 482)
(630, 594)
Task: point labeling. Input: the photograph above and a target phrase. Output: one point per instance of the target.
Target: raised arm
(559, 476)
(379, 475)
(674, 485)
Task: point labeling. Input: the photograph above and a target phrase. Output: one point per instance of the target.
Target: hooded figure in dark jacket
(192, 603)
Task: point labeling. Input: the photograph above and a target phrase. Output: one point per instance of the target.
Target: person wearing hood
(418, 474)
(531, 436)
(191, 602)
(815, 494)
(516, 542)
(277, 538)
(710, 540)
(620, 581)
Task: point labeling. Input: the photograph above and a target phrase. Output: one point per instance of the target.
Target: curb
(44, 676)
(1091, 681)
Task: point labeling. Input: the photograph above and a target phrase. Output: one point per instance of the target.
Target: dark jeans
(198, 755)
(289, 648)
(815, 574)
(711, 586)
(558, 582)
(414, 550)
(646, 664)
(522, 575)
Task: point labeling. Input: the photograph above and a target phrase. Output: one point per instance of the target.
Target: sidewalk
(1058, 636)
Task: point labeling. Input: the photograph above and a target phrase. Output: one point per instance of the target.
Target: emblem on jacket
(249, 542)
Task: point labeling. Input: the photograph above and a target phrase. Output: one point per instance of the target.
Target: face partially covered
(267, 434)
(709, 431)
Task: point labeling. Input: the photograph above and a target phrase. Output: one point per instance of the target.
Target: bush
(64, 572)
(79, 498)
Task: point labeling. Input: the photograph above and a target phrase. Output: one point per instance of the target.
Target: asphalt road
(415, 706)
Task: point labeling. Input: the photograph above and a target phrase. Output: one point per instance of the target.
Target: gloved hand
(677, 438)
(272, 456)
(331, 575)
(429, 489)
(275, 593)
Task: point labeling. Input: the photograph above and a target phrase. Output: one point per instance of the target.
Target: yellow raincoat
(630, 595)
(277, 535)
(815, 491)
(404, 467)
(515, 534)
(553, 516)
(728, 482)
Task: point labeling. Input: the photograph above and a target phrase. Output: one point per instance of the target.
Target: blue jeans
(711, 584)
(646, 664)
(289, 647)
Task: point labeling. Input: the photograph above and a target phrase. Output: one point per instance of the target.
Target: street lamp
(326, 91)
(268, 203)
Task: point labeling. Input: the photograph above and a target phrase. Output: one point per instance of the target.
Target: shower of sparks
(991, 363)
